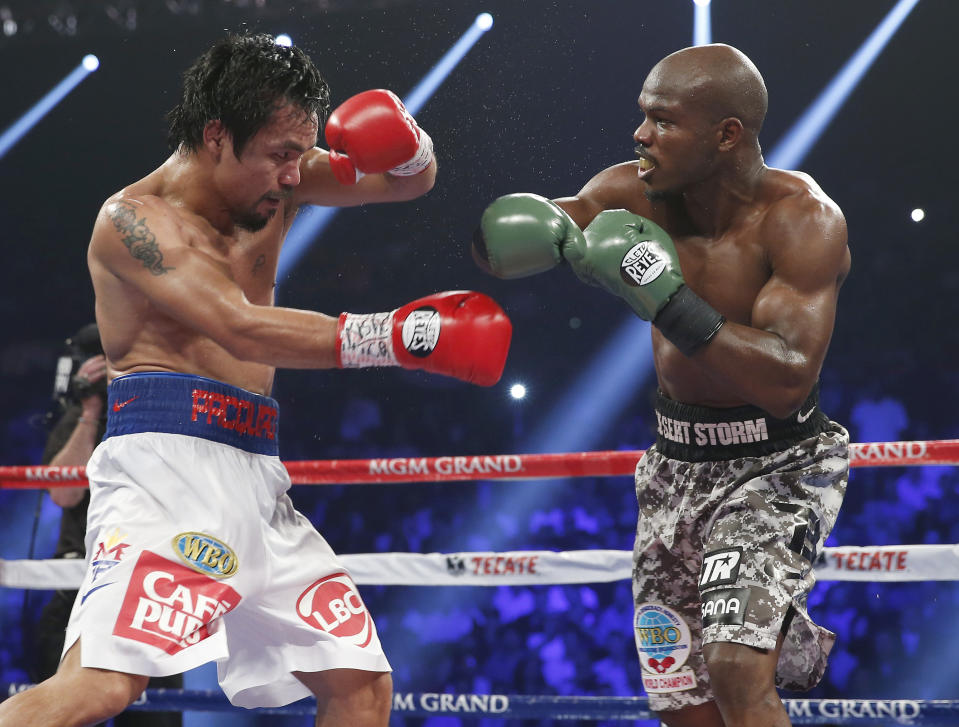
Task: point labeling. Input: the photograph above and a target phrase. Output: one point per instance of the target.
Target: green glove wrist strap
(688, 322)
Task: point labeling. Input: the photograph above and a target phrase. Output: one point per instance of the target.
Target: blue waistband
(195, 406)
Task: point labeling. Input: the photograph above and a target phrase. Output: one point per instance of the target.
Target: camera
(67, 386)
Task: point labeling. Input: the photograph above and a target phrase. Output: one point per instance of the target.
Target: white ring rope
(885, 563)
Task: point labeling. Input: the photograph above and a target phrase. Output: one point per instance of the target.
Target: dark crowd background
(544, 100)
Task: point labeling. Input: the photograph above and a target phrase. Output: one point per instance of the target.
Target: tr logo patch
(720, 568)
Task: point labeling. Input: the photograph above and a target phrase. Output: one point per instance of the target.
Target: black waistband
(704, 434)
(192, 405)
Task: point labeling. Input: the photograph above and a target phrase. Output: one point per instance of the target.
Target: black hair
(241, 81)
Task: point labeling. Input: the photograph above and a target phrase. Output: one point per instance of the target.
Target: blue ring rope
(917, 712)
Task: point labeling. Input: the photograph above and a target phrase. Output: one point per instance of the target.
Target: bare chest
(251, 265)
(728, 272)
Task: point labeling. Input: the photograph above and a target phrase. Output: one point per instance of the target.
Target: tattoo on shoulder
(138, 238)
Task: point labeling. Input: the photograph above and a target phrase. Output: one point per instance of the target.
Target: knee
(380, 698)
(741, 676)
(105, 693)
(121, 690)
(368, 703)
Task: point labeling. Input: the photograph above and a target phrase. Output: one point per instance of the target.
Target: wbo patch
(206, 554)
(663, 642)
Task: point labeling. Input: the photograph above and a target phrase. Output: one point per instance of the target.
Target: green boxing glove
(636, 260)
(523, 234)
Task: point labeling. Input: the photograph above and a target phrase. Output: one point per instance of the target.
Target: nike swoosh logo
(118, 405)
(95, 588)
(800, 417)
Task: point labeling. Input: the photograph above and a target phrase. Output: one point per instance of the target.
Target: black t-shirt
(73, 521)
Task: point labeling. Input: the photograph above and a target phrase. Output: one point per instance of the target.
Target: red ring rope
(495, 466)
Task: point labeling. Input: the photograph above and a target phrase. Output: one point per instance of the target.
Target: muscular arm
(143, 244)
(319, 186)
(616, 187)
(774, 361)
(76, 451)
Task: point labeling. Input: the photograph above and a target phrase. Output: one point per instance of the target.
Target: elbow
(790, 394)
(67, 496)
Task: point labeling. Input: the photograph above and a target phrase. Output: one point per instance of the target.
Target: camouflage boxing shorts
(734, 506)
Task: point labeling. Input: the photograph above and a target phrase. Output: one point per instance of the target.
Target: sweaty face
(674, 143)
(263, 177)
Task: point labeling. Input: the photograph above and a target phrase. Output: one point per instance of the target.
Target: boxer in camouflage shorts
(738, 266)
(734, 506)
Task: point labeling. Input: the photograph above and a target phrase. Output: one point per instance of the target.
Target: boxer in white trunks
(195, 552)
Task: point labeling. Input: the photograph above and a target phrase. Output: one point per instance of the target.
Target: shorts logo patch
(725, 606)
(421, 331)
(333, 605)
(663, 642)
(109, 553)
(720, 568)
(169, 606)
(206, 554)
(642, 264)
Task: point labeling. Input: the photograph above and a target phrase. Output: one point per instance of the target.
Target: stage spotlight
(702, 23)
(284, 40)
(517, 391)
(21, 126)
(796, 143)
(918, 214)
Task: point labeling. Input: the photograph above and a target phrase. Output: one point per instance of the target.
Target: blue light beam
(311, 222)
(702, 24)
(594, 401)
(792, 148)
(21, 126)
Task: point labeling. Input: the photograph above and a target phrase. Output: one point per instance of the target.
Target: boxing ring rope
(497, 467)
(846, 563)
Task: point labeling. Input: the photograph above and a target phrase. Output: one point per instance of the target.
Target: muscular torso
(137, 337)
(728, 273)
(727, 270)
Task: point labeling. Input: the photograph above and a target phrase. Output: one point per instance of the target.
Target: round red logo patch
(333, 604)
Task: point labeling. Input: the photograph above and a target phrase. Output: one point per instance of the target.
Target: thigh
(350, 696)
(667, 625)
(308, 617)
(759, 550)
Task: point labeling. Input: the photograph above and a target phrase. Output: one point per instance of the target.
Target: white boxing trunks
(196, 554)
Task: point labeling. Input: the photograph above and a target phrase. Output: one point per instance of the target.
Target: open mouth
(646, 165)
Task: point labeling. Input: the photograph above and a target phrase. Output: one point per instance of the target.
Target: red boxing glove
(459, 333)
(372, 133)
